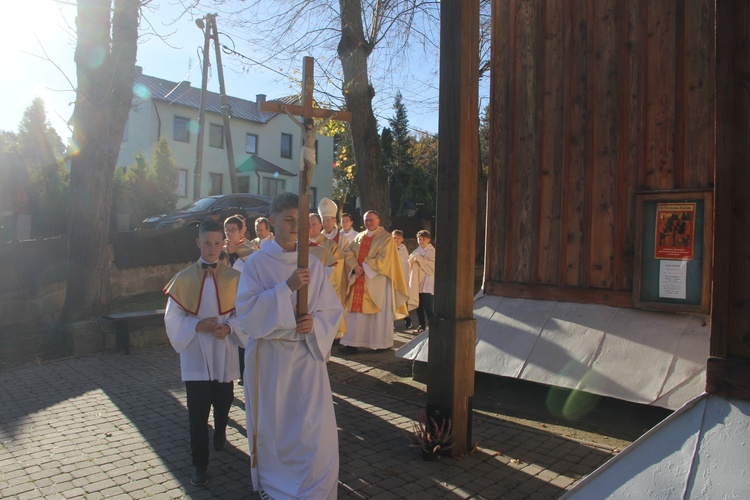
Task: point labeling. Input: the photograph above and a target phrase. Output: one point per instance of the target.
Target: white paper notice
(672, 279)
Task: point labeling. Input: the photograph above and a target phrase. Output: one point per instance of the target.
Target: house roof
(255, 163)
(151, 87)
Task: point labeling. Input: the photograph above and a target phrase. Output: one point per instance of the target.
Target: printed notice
(673, 279)
(675, 228)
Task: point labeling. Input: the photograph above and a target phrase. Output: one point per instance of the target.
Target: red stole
(359, 284)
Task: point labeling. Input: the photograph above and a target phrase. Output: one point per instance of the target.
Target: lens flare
(574, 404)
(95, 57)
(141, 91)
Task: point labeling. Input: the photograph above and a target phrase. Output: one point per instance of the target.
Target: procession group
(242, 294)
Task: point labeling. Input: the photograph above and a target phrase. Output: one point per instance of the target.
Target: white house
(266, 145)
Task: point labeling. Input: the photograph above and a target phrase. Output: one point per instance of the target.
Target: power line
(243, 56)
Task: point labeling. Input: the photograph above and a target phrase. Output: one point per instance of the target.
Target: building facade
(266, 145)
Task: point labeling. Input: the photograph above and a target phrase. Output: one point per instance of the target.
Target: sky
(39, 42)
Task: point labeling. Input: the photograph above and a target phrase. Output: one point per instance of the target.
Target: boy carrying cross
(288, 402)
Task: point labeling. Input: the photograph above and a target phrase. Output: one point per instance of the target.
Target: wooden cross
(306, 111)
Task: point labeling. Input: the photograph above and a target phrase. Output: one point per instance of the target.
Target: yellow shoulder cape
(186, 288)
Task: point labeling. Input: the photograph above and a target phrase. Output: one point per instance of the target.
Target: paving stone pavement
(115, 426)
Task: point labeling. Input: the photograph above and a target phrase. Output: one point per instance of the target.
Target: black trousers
(242, 362)
(424, 309)
(201, 394)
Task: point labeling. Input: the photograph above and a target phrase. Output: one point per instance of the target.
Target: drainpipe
(158, 120)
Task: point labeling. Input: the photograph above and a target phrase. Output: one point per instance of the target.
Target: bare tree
(105, 55)
(373, 39)
(282, 31)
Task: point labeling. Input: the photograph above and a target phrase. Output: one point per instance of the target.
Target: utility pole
(224, 105)
(198, 172)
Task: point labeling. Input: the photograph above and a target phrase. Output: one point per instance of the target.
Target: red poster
(675, 231)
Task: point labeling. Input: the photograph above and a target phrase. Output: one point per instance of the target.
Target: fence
(32, 288)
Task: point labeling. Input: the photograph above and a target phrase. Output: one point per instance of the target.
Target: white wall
(145, 123)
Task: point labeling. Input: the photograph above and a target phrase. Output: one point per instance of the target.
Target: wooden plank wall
(591, 102)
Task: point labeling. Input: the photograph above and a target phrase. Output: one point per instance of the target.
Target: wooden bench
(124, 322)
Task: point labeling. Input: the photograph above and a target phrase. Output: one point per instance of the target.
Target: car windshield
(200, 205)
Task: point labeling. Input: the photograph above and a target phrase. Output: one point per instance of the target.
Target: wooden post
(306, 110)
(450, 382)
(198, 170)
(224, 105)
(728, 369)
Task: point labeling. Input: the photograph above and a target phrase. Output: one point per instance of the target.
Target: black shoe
(382, 350)
(220, 439)
(420, 329)
(408, 324)
(346, 349)
(240, 382)
(199, 476)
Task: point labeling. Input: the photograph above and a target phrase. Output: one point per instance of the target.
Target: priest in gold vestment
(377, 292)
(329, 254)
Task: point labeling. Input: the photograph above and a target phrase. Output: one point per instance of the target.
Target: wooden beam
(730, 315)
(450, 385)
(275, 107)
(616, 298)
(729, 378)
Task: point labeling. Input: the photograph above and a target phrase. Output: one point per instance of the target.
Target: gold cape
(186, 288)
(244, 249)
(329, 253)
(382, 258)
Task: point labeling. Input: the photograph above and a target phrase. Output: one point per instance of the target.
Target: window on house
(251, 143)
(243, 184)
(181, 129)
(313, 199)
(286, 145)
(216, 136)
(182, 181)
(272, 187)
(214, 184)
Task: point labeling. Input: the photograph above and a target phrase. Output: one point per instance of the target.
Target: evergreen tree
(38, 142)
(386, 140)
(145, 189)
(402, 163)
(424, 151)
(419, 193)
(401, 158)
(41, 150)
(165, 174)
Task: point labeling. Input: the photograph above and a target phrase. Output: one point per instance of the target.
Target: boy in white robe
(203, 329)
(422, 277)
(288, 402)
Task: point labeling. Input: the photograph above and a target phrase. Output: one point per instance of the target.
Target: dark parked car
(218, 208)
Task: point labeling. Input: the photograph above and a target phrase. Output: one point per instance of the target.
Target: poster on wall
(673, 252)
(675, 231)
